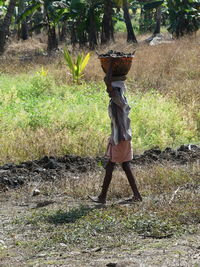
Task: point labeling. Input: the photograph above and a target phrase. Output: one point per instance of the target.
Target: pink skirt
(119, 153)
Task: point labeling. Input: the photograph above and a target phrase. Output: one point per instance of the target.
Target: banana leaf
(84, 62)
(2, 2)
(69, 61)
(152, 4)
(38, 26)
(28, 11)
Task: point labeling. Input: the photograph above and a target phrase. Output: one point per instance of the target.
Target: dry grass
(172, 68)
(60, 224)
(168, 192)
(22, 145)
(155, 182)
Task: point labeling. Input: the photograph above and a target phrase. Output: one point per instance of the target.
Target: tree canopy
(92, 22)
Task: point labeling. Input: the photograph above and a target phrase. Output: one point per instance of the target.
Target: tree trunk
(37, 19)
(107, 24)
(73, 35)
(4, 27)
(130, 33)
(92, 30)
(81, 33)
(82, 39)
(52, 39)
(63, 32)
(158, 20)
(24, 30)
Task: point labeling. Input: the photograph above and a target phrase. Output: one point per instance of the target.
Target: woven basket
(120, 65)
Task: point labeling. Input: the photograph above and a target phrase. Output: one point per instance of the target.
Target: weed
(151, 226)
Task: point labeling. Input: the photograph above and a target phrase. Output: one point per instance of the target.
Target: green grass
(40, 117)
(91, 227)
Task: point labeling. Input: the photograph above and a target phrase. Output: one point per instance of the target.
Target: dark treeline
(89, 23)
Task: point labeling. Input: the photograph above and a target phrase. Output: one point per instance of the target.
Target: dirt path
(59, 226)
(131, 249)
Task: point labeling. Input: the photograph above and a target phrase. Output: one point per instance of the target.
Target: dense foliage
(92, 22)
(184, 16)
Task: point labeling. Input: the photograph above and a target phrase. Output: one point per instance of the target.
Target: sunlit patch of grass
(42, 118)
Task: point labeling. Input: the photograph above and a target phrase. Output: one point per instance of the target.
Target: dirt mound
(183, 155)
(52, 168)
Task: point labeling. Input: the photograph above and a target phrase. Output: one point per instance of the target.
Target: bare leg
(131, 179)
(107, 179)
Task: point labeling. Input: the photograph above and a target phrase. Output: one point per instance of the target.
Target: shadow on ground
(71, 216)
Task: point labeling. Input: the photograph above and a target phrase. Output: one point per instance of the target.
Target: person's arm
(114, 93)
(108, 77)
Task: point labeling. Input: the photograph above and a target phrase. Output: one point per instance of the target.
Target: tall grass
(40, 117)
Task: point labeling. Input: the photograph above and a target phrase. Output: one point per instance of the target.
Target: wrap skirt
(119, 153)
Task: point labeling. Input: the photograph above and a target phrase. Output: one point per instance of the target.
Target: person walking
(119, 146)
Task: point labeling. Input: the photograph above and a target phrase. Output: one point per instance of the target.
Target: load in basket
(121, 62)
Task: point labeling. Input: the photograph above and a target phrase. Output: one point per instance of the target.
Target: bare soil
(51, 228)
(51, 168)
(19, 241)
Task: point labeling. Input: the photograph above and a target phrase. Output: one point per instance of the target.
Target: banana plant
(3, 8)
(5, 22)
(53, 12)
(85, 22)
(184, 16)
(77, 65)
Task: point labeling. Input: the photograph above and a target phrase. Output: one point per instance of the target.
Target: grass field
(39, 117)
(43, 113)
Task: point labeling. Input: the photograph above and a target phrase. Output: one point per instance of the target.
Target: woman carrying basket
(119, 147)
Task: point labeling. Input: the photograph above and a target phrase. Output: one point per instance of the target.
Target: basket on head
(120, 65)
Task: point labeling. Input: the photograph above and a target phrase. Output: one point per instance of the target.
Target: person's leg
(107, 179)
(131, 179)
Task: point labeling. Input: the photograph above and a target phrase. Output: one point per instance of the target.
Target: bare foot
(137, 198)
(97, 199)
(131, 200)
